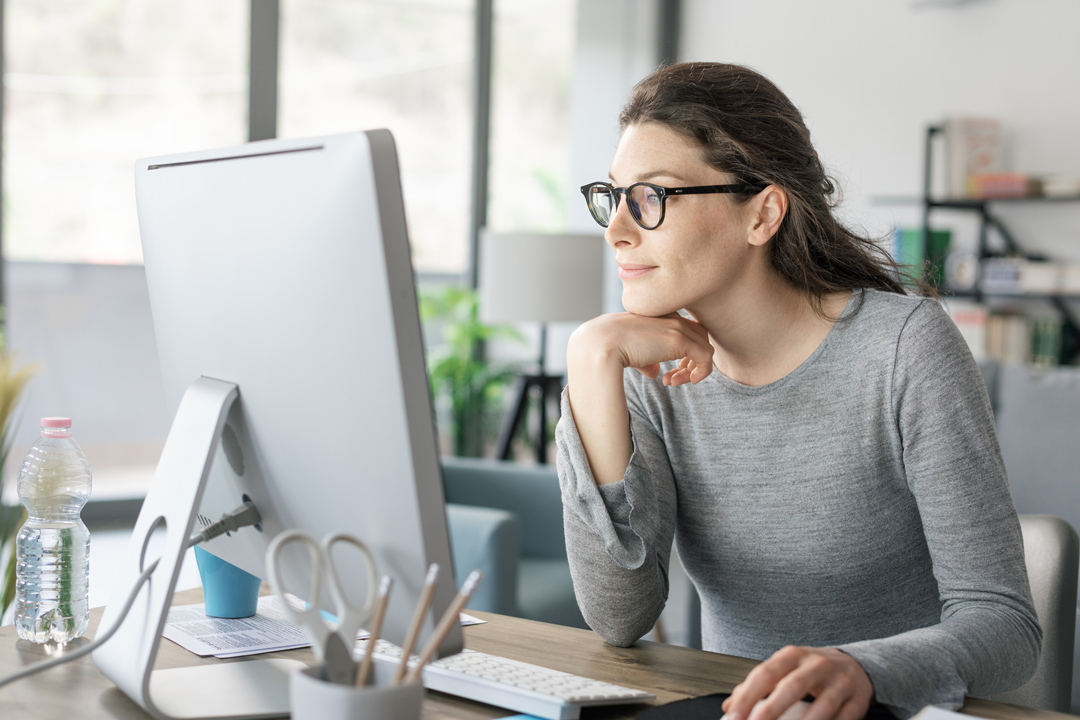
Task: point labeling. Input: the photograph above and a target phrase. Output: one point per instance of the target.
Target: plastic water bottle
(53, 547)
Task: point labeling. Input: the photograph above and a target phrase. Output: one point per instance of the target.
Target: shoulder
(880, 309)
(923, 343)
(899, 323)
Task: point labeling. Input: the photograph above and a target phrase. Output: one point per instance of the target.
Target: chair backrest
(1051, 549)
(529, 491)
(488, 540)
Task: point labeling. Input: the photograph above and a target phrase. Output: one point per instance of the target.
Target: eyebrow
(652, 174)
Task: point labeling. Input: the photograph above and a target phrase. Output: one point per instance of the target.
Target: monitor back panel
(283, 266)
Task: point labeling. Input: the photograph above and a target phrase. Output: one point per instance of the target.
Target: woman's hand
(840, 687)
(599, 351)
(640, 342)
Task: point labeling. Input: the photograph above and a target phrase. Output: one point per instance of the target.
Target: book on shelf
(1008, 337)
(1003, 185)
(921, 260)
(1014, 339)
(971, 319)
(1061, 186)
(973, 146)
(1020, 276)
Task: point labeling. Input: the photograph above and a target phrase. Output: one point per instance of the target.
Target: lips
(629, 271)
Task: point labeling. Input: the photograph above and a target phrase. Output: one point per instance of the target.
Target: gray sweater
(860, 502)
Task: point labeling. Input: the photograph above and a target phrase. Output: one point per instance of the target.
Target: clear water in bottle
(53, 547)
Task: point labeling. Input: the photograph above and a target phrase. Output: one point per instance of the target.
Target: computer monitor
(283, 267)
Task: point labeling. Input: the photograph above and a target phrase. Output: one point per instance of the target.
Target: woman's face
(698, 255)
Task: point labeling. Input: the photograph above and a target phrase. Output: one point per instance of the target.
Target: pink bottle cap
(56, 422)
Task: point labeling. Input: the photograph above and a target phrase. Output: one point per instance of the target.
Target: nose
(622, 231)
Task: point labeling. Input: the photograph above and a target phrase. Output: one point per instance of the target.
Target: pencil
(449, 618)
(417, 623)
(376, 627)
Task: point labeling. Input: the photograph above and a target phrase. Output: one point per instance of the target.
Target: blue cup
(228, 591)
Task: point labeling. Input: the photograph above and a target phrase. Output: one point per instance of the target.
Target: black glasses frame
(662, 192)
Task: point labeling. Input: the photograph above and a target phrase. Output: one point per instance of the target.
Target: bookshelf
(990, 222)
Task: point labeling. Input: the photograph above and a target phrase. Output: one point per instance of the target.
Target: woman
(819, 443)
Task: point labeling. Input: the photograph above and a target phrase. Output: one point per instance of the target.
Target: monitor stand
(243, 689)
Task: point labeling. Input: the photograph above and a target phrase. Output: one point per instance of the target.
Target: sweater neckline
(846, 315)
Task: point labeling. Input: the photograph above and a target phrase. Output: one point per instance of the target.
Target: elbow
(620, 632)
(1025, 657)
(1030, 650)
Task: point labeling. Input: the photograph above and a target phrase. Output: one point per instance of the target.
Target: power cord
(243, 516)
(98, 641)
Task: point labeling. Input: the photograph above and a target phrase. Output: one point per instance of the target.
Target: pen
(376, 627)
(449, 618)
(418, 620)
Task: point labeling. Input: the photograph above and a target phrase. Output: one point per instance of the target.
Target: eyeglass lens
(646, 205)
(601, 203)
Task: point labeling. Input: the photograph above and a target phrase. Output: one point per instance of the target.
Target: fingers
(761, 681)
(644, 342)
(679, 374)
(697, 364)
(687, 371)
(838, 684)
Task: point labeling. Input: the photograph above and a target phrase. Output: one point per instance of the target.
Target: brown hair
(747, 127)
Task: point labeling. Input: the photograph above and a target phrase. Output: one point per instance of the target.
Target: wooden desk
(78, 690)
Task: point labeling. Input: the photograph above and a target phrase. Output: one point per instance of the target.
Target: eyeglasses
(647, 201)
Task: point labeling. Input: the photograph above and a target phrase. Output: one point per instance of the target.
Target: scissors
(333, 647)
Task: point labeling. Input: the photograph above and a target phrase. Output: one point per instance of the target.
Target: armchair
(485, 499)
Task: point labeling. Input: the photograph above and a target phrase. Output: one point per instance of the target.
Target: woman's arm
(618, 535)
(617, 484)
(599, 351)
(988, 637)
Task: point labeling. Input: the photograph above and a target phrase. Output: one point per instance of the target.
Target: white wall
(870, 76)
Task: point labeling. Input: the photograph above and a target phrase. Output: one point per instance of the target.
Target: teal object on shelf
(919, 259)
(228, 591)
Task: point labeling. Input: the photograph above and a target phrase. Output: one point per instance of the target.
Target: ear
(767, 211)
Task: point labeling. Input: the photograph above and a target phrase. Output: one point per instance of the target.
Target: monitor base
(246, 690)
(249, 689)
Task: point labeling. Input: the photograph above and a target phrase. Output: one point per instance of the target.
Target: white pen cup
(312, 698)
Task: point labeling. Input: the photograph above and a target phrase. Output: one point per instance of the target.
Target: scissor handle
(310, 618)
(350, 618)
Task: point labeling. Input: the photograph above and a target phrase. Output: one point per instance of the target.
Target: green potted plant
(12, 383)
(461, 377)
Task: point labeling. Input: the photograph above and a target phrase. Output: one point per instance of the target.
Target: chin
(648, 307)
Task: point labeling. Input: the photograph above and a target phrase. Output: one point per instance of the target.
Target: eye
(651, 198)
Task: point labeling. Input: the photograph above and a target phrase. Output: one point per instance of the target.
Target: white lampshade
(533, 277)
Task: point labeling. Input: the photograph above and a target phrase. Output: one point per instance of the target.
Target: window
(533, 60)
(92, 85)
(349, 65)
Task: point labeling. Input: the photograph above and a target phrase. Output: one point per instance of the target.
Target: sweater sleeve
(988, 639)
(618, 536)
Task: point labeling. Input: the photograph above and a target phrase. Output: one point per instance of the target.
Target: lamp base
(549, 386)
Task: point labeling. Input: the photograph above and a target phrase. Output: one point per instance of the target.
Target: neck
(763, 331)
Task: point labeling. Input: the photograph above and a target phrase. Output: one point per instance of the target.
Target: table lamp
(544, 278)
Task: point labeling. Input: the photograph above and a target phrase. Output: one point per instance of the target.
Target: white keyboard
(514, 685)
